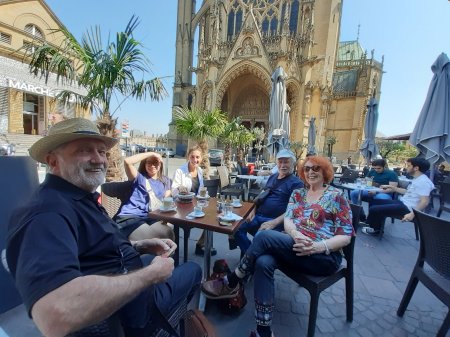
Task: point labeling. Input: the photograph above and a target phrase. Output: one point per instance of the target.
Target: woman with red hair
(317, 224)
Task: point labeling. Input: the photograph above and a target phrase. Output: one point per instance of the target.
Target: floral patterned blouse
(329, 216)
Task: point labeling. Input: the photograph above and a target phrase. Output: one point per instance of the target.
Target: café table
(362, 187)
(209, 222)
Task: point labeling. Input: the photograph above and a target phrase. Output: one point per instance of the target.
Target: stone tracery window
(270, 15)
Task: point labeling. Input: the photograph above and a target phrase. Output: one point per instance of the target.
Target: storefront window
(30, 113)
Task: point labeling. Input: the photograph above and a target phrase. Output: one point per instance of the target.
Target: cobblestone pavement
(382, 270)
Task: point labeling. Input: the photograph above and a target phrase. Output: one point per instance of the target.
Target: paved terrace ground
(382, 270)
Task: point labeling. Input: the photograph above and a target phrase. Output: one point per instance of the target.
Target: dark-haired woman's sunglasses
(315, 168)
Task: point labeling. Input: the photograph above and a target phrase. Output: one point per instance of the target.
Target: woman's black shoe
(200, 251)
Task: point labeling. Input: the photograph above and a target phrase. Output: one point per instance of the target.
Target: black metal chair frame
(226, 188)
(444, 204)
(316, 284)
(433, 264)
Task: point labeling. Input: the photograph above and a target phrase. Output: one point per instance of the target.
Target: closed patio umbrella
(369, 148)
(431, 133)
(278, 137)
(312, 136)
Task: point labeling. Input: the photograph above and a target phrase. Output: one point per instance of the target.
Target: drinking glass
(228, 210)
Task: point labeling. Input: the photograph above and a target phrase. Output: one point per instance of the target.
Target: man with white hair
(269, 213)
(71, 265)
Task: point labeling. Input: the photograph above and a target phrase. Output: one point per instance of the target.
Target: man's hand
(164, 268)
(155, 246)
(267, 225)
(388, 188)
(250, 216)
(408, 217)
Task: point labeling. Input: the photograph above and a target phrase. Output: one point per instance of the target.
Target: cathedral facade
(239, 43)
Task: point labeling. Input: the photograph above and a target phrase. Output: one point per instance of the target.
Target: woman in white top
(189, 178)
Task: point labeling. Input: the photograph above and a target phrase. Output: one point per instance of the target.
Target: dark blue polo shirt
(61, 234)
(281, 189)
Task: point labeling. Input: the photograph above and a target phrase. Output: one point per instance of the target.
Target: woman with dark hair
(317, 224)
(149, 188)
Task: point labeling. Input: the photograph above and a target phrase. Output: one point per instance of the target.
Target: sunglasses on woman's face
(153, 163)
(315, 168)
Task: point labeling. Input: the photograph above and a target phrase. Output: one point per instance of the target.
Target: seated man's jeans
(379, 210)
(365, 196)
(136, 316)
(251, 227)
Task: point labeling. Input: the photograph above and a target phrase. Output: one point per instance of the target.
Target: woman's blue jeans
(269, 250)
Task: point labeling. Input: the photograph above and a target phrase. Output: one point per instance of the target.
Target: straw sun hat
(64, 132)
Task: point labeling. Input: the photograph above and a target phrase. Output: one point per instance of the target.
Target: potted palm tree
(200, 126)
(115, 69)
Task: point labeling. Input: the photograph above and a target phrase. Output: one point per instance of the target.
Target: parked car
(164, 151)
(215, 157)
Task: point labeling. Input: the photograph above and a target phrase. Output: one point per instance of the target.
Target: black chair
(433, 264)
(402, 184)
(316, 284)
(349, 176)
(444, 204)
(228, 189)
(212, 185)
(18, 180)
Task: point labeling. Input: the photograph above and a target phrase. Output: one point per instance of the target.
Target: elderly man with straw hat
(71, 265)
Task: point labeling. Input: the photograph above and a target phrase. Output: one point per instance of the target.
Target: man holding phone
(416, 195)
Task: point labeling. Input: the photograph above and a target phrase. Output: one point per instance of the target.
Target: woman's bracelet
(327, 250)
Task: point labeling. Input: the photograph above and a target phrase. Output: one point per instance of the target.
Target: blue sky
(410, 34)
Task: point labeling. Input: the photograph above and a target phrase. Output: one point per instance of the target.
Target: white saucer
(224, 218)
(199, 215)
(171, 209)
(236, 205)
(202, 198)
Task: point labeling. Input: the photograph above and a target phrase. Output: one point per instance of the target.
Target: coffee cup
(235, 201)
(197, 210)
(167, 202)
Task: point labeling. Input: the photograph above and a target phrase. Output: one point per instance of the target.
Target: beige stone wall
(15, 15)
(16, 109)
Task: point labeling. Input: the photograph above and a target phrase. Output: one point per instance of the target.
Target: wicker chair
(433, 264)
(114, 194)
(316, 284)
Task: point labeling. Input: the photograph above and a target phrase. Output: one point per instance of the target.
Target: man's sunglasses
(315, 168)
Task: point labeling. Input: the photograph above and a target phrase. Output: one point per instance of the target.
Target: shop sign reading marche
(35, 89)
